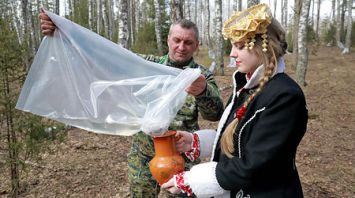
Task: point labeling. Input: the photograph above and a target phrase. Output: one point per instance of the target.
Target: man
(203, 98)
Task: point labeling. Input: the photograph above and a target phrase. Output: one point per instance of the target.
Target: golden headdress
(244, 25)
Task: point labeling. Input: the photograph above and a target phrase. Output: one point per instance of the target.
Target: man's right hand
(47, 25)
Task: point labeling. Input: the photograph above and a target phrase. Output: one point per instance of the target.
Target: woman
(253, 151)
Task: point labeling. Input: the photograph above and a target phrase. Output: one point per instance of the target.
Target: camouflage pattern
(209, 105)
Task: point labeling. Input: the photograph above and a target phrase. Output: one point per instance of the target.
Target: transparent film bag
(82, 79)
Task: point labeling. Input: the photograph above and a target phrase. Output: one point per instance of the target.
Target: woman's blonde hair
(276, 48)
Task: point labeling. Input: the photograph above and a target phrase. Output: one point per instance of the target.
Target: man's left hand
(198, 86)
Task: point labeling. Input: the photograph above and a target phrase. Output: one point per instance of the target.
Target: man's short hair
(186, 24)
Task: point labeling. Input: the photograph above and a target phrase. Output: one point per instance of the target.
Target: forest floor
(93, 165)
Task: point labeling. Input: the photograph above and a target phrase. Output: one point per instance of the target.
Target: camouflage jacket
(209, 104)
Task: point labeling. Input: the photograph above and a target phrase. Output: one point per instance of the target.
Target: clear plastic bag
(84, 80)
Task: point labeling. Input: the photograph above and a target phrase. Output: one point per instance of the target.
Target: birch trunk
(317, 21)
(176, 10)
(57, 7)
(253, 2)
(157, 21)
(105, 18)
(27, 38)
(333, 12)
(195, 11)
(286, 14)
(133, 20)
(207, 24)
(302, 44)
(138, 18)
(296, 21)
(275, 6)
(90, 14)
(72, 9)
(16, 22)
(219, 37)
(200, 20)
(187, 11)
(123, 23)
(98, 16)
(282, 13)
(228, 8)
(349, 28)
(237, 6)
(34, 32)
(338, 25)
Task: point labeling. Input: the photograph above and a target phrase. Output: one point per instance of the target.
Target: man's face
(182, 44)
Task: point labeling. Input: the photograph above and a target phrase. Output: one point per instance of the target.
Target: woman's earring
(246, 44)
(264, 45)
(252, 41)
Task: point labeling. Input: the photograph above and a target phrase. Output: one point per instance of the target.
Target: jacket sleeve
(276, 131)
(209, 103)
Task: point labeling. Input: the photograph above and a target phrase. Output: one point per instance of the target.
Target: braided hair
(276, 48)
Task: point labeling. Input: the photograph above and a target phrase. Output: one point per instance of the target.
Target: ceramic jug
(167, 161)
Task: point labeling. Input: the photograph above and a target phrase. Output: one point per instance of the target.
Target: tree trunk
(138, 18)
(253, 3)
(133, 20)
(286, 14)
(349, 28)
(123, 23)
(195, 11)
(72, 9)
(57, 7)
(311, 20)
(26, 33)
(302, 44)
(275, 6)
(342, 21)
(16, 22)
(207, 24)
(157, 21)
(105, 18)
(200, 20)
(333, 12)
(90, 13)
(176, 10)
(34, 27)
(98, 16)
(219, 37)
(187, 11)
(317, 21)
(296, 21)
(237, 6)
(11, 136)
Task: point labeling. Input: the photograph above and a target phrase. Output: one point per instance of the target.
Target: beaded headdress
(245, 25)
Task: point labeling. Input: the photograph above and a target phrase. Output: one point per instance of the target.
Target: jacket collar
(257, 75)
(165, 60)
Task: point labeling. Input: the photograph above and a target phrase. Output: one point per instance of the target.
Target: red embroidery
(240, 113)
(181, 184)
(194, 153)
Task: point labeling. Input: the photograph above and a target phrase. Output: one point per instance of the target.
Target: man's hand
(198, 86)
(47, 25)
(183, 141)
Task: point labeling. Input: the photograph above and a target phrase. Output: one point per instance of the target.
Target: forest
(43, 158)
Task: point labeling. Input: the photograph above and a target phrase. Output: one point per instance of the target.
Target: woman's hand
(170, 186)
(183, 141)
(47, 25)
